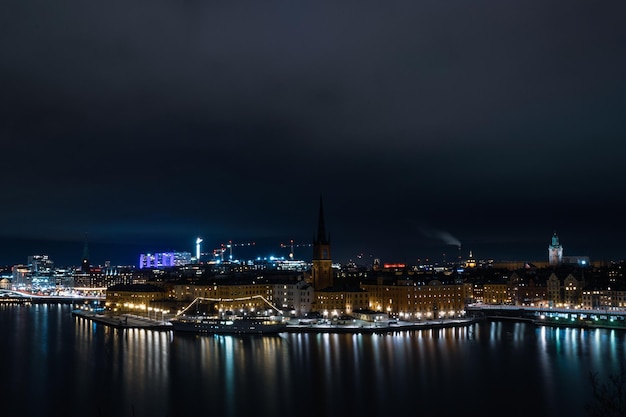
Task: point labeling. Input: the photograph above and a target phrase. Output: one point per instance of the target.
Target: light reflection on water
(75, 366)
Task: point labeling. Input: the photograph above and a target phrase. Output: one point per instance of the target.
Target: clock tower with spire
(555, 251)
(85, 265)
(322, 264)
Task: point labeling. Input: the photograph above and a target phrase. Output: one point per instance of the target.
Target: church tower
(322, 268)
(555, 251)
(471, 261)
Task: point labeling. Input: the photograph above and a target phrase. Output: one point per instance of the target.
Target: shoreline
(123, 321)
(378, 328)
(554, 323)
(131, 321)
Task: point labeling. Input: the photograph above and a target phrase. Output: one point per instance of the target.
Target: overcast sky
(424, 125)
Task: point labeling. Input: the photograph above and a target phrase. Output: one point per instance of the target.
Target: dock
(133, 321)
(382, 327)
(123, 321)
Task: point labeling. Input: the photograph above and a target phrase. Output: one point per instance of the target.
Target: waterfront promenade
(359, 326)
(123, 321)
(17, 296)
(537, 316)
(133, 321)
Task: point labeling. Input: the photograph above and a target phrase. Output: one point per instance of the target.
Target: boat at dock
(218, 317)
(228, 325)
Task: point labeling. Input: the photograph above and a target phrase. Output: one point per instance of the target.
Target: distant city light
(198, 241)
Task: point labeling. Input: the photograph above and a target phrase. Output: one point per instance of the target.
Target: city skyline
(66, 254)
(423, 126)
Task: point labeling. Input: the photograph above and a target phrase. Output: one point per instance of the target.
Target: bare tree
(609, 397)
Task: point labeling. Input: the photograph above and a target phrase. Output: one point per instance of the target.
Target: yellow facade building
(410, 300)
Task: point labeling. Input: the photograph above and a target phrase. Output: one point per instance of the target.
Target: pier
(380, 327)
(123, 321)
(133, 321)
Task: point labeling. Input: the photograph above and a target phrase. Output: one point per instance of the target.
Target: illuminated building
(40, 264)
(21, 276)
(293, 297)
(471, 261)
(164, 259)
(555, 255)
(232, 294)
(413, 298)
(565, 291)
(555, 251)
(198, 253)
(332, 302)
(41, 271)
(496, 293)
(576, 260)
(85, 265)
(331, 298)
(129, 297)
(5, 284)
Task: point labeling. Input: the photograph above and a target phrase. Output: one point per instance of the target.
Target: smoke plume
(441, 235)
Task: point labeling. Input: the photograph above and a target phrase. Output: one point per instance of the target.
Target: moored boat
(228, 325)
(216, 315)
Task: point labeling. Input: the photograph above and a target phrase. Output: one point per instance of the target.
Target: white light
(198, 241)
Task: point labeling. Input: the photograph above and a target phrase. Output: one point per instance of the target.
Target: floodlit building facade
(164, 259)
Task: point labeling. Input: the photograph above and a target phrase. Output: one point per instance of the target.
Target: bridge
(604, 317)
(70, 297)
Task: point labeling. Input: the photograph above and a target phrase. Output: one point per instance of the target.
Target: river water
(57, 364)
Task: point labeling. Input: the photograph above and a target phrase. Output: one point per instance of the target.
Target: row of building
(398, 290)
(298, 288)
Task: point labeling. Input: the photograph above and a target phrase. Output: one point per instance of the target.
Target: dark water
(55, 364)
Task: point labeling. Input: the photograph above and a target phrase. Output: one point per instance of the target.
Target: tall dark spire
(85, 261)
(322, 267)
(85, 249)
(321, 227)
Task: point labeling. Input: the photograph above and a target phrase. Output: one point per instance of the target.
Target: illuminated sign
(394, 265)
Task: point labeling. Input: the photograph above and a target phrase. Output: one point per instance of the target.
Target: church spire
(321, 226)
(85, 261)
(555, 239)
(321, 269)
(85, 250)
(555, 250)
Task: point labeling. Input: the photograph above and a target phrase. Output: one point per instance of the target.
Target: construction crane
(229, 246)
(219, 252)
(292, 245)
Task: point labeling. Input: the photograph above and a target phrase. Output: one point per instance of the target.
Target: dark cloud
(153, 121)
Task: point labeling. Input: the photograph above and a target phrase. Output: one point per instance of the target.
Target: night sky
(424, 126)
